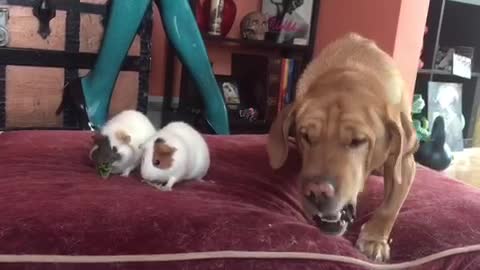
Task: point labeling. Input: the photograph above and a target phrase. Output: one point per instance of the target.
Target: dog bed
(53, 203)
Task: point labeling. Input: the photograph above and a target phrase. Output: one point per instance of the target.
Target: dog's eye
(306, 138)
(355, 143)
(304, 135)
(114, 149)
(156, 162)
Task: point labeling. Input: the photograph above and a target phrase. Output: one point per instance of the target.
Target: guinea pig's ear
(122, 136)
(92, 151)
(98, 137)
(161, 148)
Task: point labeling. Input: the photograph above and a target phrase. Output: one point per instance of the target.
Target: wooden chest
(34, 69)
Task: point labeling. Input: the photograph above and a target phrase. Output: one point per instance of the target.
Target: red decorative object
(202, 13)
(229, 14)
(420, 62)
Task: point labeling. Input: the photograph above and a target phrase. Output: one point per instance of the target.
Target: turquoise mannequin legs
(124, 21)
(182, 31)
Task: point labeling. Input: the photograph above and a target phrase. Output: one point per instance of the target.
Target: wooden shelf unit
(259, 126)
(451, 23)
(226, 41)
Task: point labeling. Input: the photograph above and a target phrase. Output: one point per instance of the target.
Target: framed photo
(445, 99)
(229, 87)
(289, 21)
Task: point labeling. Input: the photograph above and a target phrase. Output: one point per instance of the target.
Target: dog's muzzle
(336, 224)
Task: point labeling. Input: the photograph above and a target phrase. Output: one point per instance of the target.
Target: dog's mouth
(338, 223)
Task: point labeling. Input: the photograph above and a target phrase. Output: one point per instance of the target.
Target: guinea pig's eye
(156, 162)
(357, 142)
(114, 149)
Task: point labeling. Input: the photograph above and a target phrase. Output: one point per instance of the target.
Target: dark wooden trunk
(34, 70)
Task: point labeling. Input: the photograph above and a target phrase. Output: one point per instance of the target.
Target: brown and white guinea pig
(126, 131)
(177, 152)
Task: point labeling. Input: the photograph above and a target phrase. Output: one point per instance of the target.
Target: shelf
(218, 40)
(444, 73)
(246, 123)
(257, 126)
(468, 2)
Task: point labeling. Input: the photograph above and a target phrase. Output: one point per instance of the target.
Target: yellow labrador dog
(350, 119)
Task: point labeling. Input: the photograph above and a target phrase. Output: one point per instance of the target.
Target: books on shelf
(288, 80)
(268, 82)
(282, 77)
(272, 88)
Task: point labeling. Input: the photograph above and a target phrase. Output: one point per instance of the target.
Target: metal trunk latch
(4, 36)
(44, 10)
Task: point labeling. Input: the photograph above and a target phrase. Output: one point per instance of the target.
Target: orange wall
(375, 19)
(408, 43)
(396, 25)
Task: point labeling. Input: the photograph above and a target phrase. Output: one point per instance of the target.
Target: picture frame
(229, 87)
(289, 21)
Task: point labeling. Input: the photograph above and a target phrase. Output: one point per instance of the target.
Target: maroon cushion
(52, 202)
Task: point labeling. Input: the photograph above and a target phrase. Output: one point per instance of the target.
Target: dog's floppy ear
(403, 140)
(277, 146)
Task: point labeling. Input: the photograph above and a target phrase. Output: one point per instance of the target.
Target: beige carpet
(466, 166)
(476, 132)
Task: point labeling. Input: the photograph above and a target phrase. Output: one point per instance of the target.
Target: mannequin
(90, 96)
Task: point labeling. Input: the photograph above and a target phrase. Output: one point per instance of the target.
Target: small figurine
(420, 122)
(254, 26)
(435, 153)
(250, 114)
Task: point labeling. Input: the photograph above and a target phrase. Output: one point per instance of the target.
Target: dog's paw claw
(378, 251)
(164, 188)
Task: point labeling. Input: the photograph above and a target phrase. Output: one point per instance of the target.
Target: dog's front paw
(376, 250)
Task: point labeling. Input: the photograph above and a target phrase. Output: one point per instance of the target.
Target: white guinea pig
(126, 131)
(175, 153)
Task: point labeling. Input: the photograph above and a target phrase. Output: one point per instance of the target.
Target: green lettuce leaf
(104, 170)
